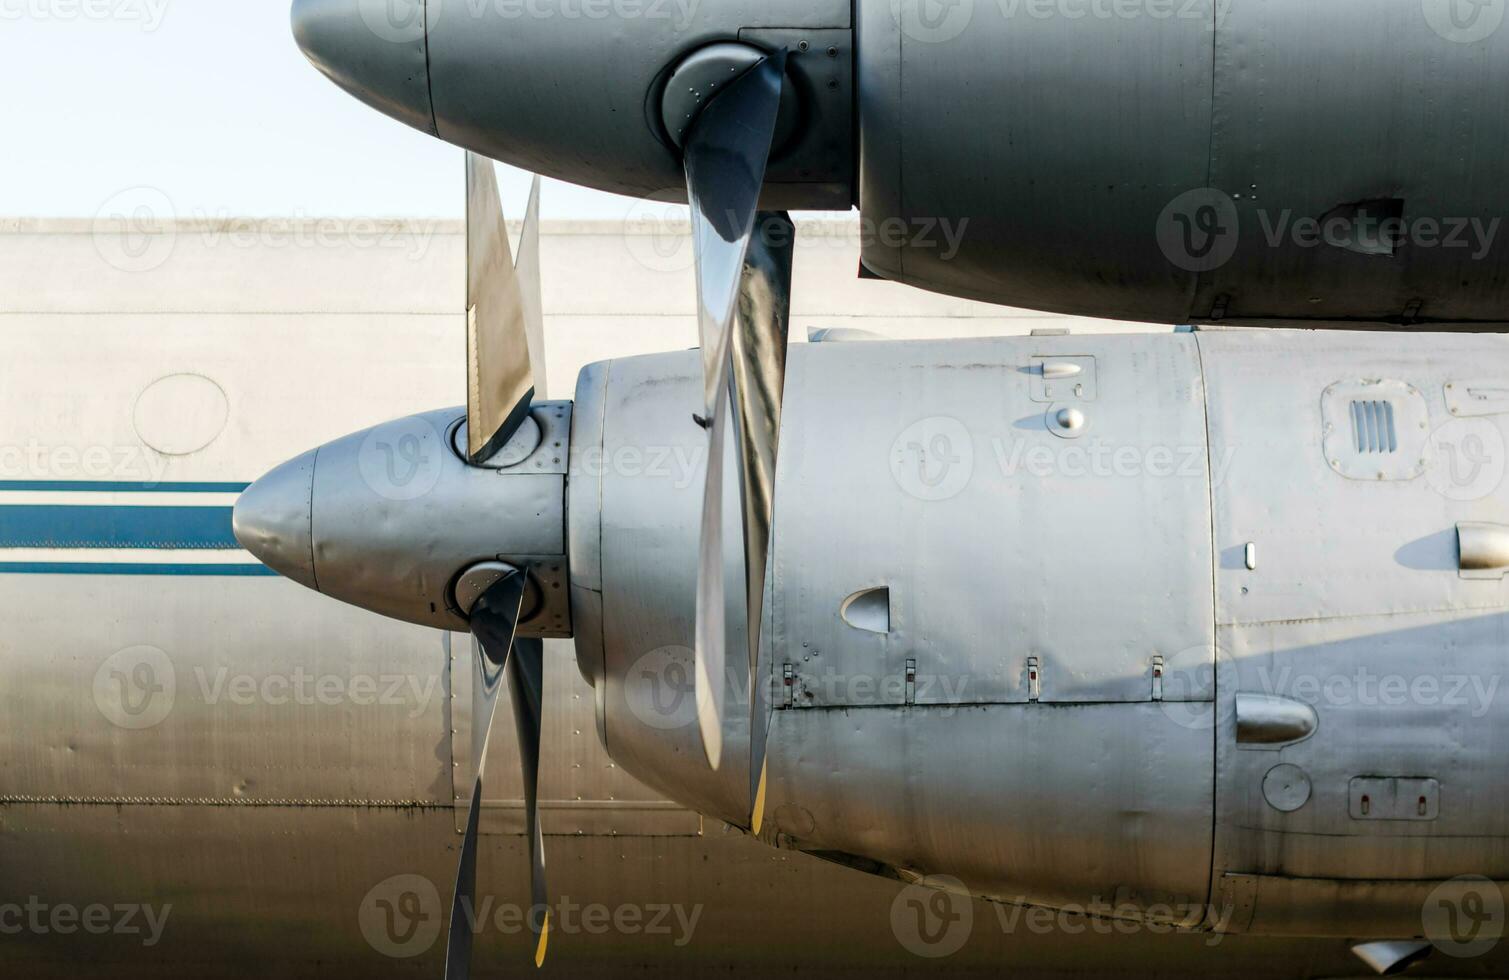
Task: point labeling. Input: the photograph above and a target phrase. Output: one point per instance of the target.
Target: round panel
(1286, 787)
(180, 414)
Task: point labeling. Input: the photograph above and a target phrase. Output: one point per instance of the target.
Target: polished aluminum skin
(1080, 652)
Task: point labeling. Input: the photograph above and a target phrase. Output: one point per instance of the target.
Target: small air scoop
(1482, 550)
(868, 610)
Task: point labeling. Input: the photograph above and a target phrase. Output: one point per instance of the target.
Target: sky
(211, 103)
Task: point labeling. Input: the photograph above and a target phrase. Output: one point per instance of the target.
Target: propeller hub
(273, 520)
(391, 519)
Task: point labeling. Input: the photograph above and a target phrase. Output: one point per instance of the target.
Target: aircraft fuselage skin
(1162, 638)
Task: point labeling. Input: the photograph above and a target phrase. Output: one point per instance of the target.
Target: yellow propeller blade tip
(758, 817)
(539, 951)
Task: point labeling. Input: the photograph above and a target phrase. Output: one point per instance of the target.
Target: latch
(1033, 679)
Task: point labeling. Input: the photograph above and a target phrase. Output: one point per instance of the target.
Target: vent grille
(1373, 429)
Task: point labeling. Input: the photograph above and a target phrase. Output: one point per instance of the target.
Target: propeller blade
(527, 270)
(495, 619)
(526, 685)
(499, 381)
(727, 151)
(759, 367)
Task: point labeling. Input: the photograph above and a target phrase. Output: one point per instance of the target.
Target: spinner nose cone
(274, 519)
(374, 49)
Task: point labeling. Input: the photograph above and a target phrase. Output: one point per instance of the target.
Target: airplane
(1196, 631)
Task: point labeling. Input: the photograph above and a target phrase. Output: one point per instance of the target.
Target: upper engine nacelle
(577, 89)
(1162, 160)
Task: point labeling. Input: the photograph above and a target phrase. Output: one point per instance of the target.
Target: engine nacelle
(1113, 622)
(1164, 160)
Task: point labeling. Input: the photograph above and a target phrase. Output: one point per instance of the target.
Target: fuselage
(247, 776)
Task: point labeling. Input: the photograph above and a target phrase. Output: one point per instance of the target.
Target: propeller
(743, 295)
(505, 372)
(504, 325)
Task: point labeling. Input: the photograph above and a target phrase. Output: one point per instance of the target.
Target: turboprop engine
(1165, 160)
(1111, 623)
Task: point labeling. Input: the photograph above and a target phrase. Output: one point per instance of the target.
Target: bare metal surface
(499, 376)
(727, 149)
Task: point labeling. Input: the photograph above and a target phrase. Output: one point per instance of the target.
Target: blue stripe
(109, 568)
(51, 526)
(90, 486)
